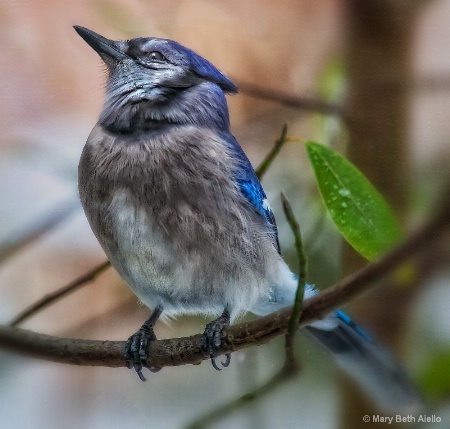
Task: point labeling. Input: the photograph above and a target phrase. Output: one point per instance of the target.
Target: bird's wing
(252, 190)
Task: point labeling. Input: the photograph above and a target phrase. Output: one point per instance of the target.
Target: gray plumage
(157, 181)
(172, 221)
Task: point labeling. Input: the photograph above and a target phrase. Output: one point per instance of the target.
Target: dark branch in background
(181, 351)
(205, 420)
(316, 105)
(51, 298)
(287, 99)
(50, 220)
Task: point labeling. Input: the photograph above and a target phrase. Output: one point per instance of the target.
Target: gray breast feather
(163, 205)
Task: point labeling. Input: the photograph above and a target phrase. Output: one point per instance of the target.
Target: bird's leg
(212, 338)
(136, 346)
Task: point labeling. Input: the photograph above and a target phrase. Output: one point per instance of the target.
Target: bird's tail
(369, 364)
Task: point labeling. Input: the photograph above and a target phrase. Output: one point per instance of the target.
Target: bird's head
(156, 72)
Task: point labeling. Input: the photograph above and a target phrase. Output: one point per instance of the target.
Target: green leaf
(359, 211)
(434, 377)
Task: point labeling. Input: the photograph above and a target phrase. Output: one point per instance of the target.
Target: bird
(180, 213)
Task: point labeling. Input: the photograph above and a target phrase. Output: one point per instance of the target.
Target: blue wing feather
(252, 189)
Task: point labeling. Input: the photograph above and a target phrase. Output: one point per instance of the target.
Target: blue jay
(178, 209)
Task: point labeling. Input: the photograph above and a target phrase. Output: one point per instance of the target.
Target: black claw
(212, 339)
(227, 362)
(151, 369)
(213, 362)
(136, 346)
(141, 376)
(135, 350)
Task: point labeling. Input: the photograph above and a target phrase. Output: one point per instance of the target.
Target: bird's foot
(136, 346)
(212, 339)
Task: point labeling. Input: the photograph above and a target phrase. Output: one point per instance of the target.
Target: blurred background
(369, 78)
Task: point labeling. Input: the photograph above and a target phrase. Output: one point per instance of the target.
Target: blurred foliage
(434, 377)
(331, 87)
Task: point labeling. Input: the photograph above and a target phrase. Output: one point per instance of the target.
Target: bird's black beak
(100, 44)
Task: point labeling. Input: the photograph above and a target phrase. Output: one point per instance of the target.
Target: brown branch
(287, 99)
(181, 351)
(425, 83)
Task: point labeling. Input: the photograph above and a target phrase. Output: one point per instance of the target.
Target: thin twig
(297, 307)
(52, 297)
(206, 420)
(267, 161)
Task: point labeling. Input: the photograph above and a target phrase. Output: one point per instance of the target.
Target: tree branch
(287, 99)
(181, 351)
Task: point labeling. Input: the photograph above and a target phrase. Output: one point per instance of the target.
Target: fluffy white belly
(202, 279)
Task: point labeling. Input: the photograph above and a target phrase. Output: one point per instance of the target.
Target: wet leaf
(358, 210)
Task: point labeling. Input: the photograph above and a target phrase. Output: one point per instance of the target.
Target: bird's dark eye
(156, 56)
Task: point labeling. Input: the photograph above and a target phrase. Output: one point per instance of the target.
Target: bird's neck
(202, 105)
